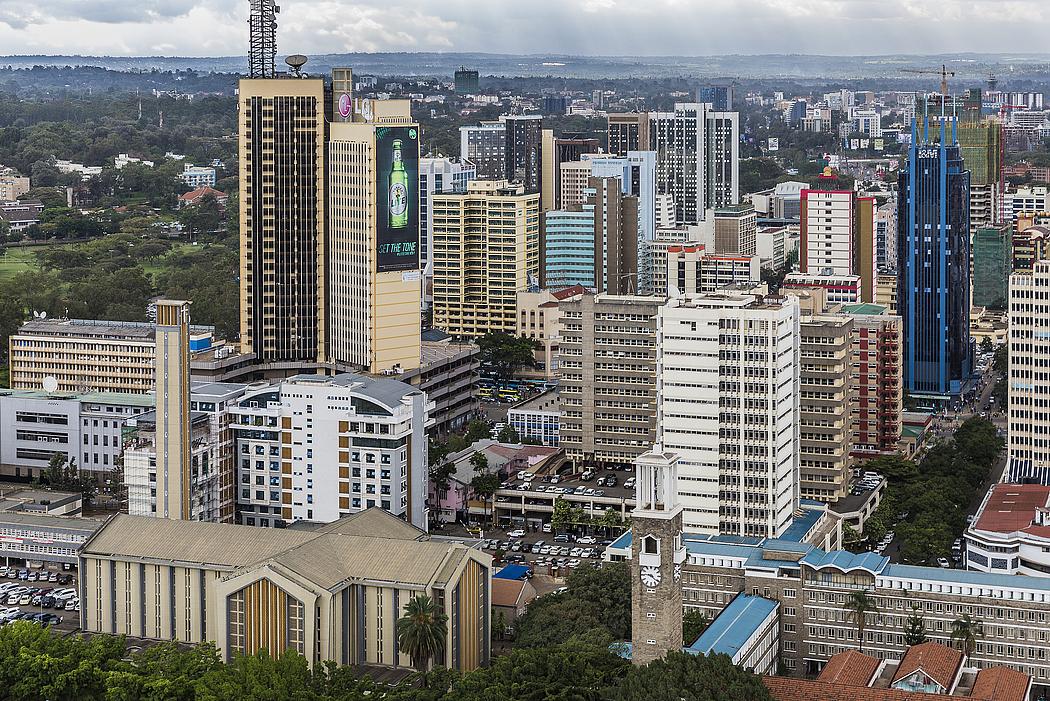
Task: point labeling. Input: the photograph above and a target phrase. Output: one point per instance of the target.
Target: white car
(943, 562)
(517, 533)
(587, 540)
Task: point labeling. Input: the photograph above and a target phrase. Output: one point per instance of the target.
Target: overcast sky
(610, 27)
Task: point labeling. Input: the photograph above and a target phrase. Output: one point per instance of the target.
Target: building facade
(628, 131)
(1028, 349)
(838, 236)
(318, 448)
(933, 257)
(691, 269)
(878, 396)
(992, 262)
(484, 145)
(523, 149)
(486, 249)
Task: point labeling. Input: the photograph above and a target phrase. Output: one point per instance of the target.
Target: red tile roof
(1011, 507)
(507, 592)
(194, 195)
(569, 292)
(939, 662)
(791, 689)
(850, 667)
(1001, 684)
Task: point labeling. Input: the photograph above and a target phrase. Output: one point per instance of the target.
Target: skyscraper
(554, 152)
(722, 159)
(375, 284)
(281, 135)
(991, 266)
(438, 175)
(720, 97)
(522, 148)
(485, 145)
(628, 131)
(1028, 450)
(466, 81)
(933, 256)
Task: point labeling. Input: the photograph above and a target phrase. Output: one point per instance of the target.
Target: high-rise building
(523, 150)
(886, 236)
(980, 143)
(735, 230)
(485, 145)
(886, 291)
(1028, 415)
(466, 81)
(437, 175)
(308, 451)
(637, 171)
(825, 392)
(554, 152)
(628, 131)
(727, 405)
(607, 390)
(878, 398)
(486, 249)
(568, 248)
(173, 410)
(697, 158)
(281, 137)
(1029, 244)
(933, 257)
(572, 183)
(838, 236)
(690, 269)
(992, 262)
(375, 285)
(720, 97)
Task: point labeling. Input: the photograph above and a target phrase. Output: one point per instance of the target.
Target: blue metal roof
(977, 579)
(734, 625)
(710, 547)
(512, 572)
(802, 524)
(624, 541)
(845, 561)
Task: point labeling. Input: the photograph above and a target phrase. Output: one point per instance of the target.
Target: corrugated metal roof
(737, 622)
(846, 561)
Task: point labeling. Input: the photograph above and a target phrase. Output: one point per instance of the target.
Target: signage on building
(345, 106)
(774, 143)
(397, 208)
(880, 144)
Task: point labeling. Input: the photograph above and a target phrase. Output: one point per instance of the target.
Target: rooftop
(734, 626)
(1009, 508)
(794, 689)
(94, 328)
(507, 592)
(939, 662)
(846, 561)
(864, 309)
(850, 667)
(1001, 684)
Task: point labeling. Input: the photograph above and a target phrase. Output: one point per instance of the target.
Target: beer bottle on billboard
(398, 209)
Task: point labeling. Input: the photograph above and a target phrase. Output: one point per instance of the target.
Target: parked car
(587, 540)
(516, 533)
(943, 562)
(546, 528)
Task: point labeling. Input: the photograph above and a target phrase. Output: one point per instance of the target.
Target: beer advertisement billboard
(397, 211)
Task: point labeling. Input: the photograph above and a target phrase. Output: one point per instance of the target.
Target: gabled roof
(201, 192)
(734, 626)
(939, 662)
(1001, 684)
(569, 292)
(793, 689)
(507, 592)
(850, 667)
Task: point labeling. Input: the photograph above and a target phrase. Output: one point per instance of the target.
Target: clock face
(677, 572)
(650, 575)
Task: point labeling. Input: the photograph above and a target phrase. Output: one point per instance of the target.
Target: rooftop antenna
(296, 63)
(262, 39)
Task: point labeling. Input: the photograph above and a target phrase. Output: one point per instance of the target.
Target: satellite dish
(43, 315)
(50, 384)
(296, 61)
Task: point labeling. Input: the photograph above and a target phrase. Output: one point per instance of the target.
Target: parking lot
(46, 597)
(528, 500)
(554, 554)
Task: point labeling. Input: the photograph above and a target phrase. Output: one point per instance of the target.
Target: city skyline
(580, 27)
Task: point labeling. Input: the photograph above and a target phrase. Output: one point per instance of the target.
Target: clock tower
(657, 557)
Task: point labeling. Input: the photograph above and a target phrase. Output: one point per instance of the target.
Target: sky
(580, 27)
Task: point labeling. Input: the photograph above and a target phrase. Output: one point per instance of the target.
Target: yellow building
(886, 291)
(332, 593)
(486, 249)
(281, 135)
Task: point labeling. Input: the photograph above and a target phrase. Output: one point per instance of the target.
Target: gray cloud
(619, 27)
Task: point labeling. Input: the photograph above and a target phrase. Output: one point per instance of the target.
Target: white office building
(316, 448)
(198, 176)
(727, 404)
(1028, 433)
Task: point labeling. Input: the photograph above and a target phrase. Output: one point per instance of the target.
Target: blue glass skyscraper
(933, 259)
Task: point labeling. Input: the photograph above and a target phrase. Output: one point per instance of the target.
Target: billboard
(774, 143)
(397, 208)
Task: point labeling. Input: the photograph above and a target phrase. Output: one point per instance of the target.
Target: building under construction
(991, 266)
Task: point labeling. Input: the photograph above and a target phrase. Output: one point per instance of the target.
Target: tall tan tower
(375, 284)
(173, 409)
(657, 555)
(281, 134)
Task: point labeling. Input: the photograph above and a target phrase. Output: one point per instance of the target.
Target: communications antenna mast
(262, 42)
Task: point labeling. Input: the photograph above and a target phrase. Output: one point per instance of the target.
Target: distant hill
(968, 66)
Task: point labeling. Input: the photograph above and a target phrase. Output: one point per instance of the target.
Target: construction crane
(943, 73)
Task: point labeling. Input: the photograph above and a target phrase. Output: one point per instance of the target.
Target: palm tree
(421, 631)
(858, 605)
(966, 630)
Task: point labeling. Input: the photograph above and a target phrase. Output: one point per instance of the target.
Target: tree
(508, 434)
(561, 514)
(987, 346)
(479, 462)
(596, 598)
(684, 676)
(965, 632)
(484, 486)
(915, 628)
(421, 631)
(694, 622)
(505, 354)
(499, 625)
(477, 430)
(858, 605)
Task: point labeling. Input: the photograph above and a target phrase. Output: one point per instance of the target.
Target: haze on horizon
(581, 27)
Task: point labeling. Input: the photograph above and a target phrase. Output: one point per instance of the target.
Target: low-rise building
(841, 289)
(197, 195)
(40, 540)
(198, 176)
(747, 630)
(1011, 532)
(12, 185)
(21, 214)
(537, 418)
(330, 593)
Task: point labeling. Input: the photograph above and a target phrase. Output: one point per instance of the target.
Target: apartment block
(728, 406)
(318, 448)
(826, 388)
(486, 249)
(607, 358)
(877, 400)
(838, 236)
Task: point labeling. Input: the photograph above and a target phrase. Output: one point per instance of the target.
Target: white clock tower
(657, 556)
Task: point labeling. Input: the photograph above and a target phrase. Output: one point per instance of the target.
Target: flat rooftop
(95, 328)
